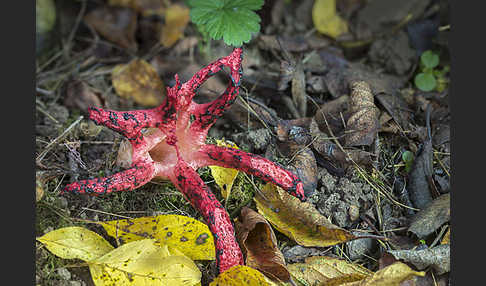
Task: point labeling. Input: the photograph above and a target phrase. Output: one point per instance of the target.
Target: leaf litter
(326, 161)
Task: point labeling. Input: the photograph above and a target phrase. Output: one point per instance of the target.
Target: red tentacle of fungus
(175, 147)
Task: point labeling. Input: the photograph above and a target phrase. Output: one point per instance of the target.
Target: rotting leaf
(224, 177)
(300, 221)
(240, 275)
(144, 263)
(176, 20)
(190, 236)
(259, 245)
(363, 124)
(326, 20)
(138, 80)
(324, 270)
(431, 217)
(437, 257)
(116, 24)
(75, 243)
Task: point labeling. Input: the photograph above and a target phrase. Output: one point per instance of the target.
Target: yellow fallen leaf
(176, 20)
(138, 80)
(224, 177)
(240, 275)
(326, 20)
(392, 275)
(190, 236)
(144, 263)
(323, 269)
(75, 243)
(446, 238)
(300, 221)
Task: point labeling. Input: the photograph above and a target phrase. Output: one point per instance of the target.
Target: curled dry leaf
(190, 236)
(176, 20)
(363, 124)
(437, 257)
(324, 270)
(259, 245)
(138, 80)
(144, 263)
(300, 221)
(240, 275)
(116, 24)
(431, 217)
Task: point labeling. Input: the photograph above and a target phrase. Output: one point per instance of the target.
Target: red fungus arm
(127, 180)
(189, 183)
(206, 114)
(127, 123)
(254, 165)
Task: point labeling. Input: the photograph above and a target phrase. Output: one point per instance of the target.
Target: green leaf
(425, 81)
(231, 20)
(407, 158)
(429, 59)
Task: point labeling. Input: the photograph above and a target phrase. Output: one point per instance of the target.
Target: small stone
(358, 248)
(353, 212)
(64, 273)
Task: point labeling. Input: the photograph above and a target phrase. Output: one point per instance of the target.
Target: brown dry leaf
(431, 217)
(176, 20)
(259, 245)
(325, 146)
(363, 124)
(138, 80)
(116, 24)
(81, 96)
(300, 221)
(294, 142)
(144, 7)
(292, 71)
(324, 270)
(391, 275)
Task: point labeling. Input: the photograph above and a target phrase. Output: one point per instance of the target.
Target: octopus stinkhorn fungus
(175, 147)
